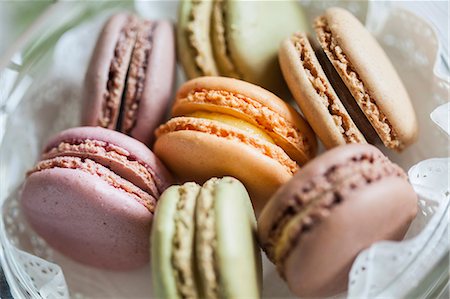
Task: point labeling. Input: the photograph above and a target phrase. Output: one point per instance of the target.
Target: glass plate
(40, 95)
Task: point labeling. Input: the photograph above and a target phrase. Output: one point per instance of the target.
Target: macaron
(203, 242)
(223, 126)
(130, 77)
(336, 206)
(92, 197)
(347, 87)
(236, 39)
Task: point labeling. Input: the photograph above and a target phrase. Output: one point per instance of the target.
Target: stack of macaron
(234, 167)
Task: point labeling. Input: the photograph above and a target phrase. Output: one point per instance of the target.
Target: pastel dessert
(130, 77)
(223, 126)
(236, 39)
(92, 197)
(336, 206)
(347, 87)
(203, 242)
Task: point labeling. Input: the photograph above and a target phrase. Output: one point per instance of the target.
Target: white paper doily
(48, 101)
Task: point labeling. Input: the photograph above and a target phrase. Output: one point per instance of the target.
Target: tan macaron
(223, 126)
(366, 94)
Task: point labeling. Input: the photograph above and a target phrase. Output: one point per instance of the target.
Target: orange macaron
(222, 126)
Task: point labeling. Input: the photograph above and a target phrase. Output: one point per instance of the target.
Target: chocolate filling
(353, 81)
(136, 76)
(320, 195)
(340, 116)
(347, 99)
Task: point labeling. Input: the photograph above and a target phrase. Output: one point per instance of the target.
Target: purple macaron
(92, 197)
(130, 77)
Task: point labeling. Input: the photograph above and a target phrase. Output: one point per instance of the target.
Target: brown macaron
(336, 206)
(348, 88)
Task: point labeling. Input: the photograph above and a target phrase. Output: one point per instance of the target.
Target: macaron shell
(318, 167)
(318, 265)
(158, 84)
(254, 31)
(310, 102)
(300, 153)
(196, 156)
(237, 252)
(97, 74)
(76, 212)
(163, 230)
(134, 148)
(375, 70)
(224, 61)
(186, 50)
(162, 239)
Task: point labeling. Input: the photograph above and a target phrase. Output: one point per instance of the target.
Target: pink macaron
(92, 197)
(339, 204)
(128, 85)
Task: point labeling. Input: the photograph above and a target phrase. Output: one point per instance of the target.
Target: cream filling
(183, 242)
(198, 35)
(270, 121)
(233, 121)
(207, 242)
(117, 75)
(342, 120)
(136, 76)
(221, 49)
(356, 86)
(224, 131)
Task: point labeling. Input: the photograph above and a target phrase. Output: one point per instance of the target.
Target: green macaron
(203, 242)
(238, 39)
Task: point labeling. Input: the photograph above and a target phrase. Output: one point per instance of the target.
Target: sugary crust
(314, 93)
(230, 133)
(254, 104)
(95, 169)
